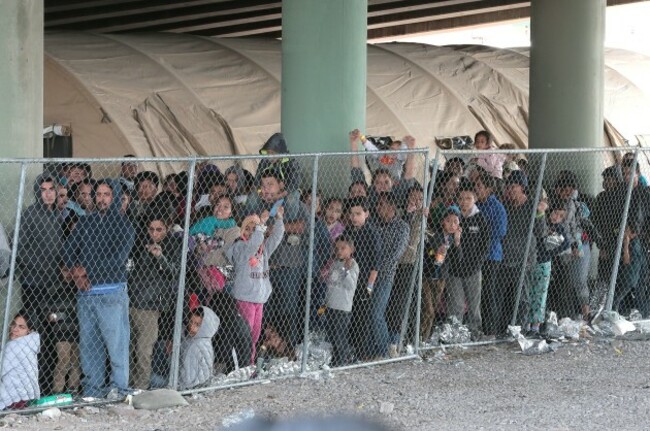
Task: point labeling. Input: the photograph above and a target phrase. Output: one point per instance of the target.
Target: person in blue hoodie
(95, 255)
(495, 214)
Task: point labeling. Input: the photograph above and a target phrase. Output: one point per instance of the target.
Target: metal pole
(417, 268)
(12, 266)
(180, 297)
(621, 233)
(310, 263)
(529, 238)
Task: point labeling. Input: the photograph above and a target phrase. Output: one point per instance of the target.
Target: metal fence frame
(315, 158)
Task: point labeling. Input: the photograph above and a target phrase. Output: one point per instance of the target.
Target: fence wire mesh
(213, 276)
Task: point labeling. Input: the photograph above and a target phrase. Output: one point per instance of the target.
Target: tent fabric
(164, 94)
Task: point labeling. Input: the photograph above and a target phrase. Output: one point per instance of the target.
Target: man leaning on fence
(95, 255)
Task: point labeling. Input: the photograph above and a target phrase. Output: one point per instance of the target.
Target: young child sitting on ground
(197, 353)
(341, 285)
(19, 382)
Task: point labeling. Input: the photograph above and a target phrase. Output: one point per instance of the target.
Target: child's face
(466, 200)
(223, 209)
(415, 199)
(481, 143)
(450, 224)
(557, 216)
(194, 325)
(333, 212)
(343, 250)
(357, 190)
(358, 216)
(18, 328)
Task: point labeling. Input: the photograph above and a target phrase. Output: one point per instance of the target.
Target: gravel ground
(601, 384)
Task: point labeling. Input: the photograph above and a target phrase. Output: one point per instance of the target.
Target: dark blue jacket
(101, 243)
(495, 214)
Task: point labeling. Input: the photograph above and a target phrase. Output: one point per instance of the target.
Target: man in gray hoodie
(197, 353)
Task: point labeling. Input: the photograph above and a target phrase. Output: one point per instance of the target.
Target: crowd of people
(100, 262)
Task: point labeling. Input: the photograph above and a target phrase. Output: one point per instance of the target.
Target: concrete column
(567, 80)
(323, 72)
(21, 78)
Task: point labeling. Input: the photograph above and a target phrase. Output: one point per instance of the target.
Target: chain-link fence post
(621, 234)
(12, 266)
(310, 263)
(529, 238)
(180, 297)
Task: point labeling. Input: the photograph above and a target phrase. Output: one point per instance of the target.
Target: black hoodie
(287, 168)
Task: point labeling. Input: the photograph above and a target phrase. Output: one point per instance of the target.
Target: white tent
(167, 94)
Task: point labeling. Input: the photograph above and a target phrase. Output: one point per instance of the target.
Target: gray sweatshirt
(197, 353)
(19, 379)
(341, 284)
(252, 282)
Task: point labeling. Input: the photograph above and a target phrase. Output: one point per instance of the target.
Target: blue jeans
(104, 327)
(378, 304)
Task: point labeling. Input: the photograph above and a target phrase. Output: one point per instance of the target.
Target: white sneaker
(392, 351)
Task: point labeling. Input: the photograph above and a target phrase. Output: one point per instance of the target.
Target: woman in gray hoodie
(250, 256)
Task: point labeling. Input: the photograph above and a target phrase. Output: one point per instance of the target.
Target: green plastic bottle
(52, 400)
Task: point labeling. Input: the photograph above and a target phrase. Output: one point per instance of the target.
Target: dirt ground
(600, 384)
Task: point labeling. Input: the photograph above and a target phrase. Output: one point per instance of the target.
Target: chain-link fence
(195, 274)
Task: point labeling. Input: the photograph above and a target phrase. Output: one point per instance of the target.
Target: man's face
(609, 183)
(385, 209)
(76, 175)
(383, 183)
(147, 191)
(271, 189)
(129, 170)
(482, 192)
(231, 182)
(61, 198)
(357, 216)
(565, 193)
(103, 197)
(513, 192)
(627, 173)
(48, 193)
(157, 231)
(85, 196)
